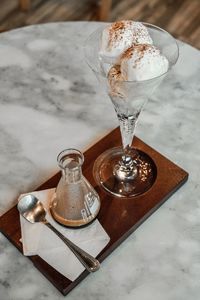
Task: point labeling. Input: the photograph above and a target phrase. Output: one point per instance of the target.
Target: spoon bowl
(31, 209)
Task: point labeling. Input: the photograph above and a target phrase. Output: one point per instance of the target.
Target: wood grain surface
(119, 216)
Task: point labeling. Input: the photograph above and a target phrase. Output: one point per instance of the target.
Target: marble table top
(49, 101)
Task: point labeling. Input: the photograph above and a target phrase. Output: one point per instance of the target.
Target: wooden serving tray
(119, 216)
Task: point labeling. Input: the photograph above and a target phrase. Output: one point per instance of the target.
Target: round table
(50, 100)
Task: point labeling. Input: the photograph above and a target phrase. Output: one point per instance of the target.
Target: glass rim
(64, 153)
(133, 81)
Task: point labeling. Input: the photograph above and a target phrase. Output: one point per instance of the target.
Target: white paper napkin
(38, 239)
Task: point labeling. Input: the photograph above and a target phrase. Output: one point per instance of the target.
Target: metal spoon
(33, 211)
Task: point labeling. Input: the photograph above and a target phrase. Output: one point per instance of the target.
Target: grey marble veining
(50, 100)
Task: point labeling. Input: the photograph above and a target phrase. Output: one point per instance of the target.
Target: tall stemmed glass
(125, 171)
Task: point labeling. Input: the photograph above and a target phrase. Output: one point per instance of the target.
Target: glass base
(105, 173)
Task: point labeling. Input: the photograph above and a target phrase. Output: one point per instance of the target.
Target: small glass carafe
(75, 202)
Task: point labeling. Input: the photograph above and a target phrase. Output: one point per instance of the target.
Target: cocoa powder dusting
(115, 72)
(115, 32)
(140, 48)
(128, 53)
(117, 25)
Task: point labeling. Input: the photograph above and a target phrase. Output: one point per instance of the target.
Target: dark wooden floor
(179, 17)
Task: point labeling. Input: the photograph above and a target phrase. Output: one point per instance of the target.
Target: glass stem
(127, 128)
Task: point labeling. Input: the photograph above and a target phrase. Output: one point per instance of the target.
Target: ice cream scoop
(142, 62)
(139, 63)
(119, 36)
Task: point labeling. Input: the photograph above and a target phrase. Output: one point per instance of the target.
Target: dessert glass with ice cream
(130, 59)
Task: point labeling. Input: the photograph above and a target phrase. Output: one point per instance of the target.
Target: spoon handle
(89, 262)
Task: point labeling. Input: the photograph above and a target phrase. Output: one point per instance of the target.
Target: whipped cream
(119, 36)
